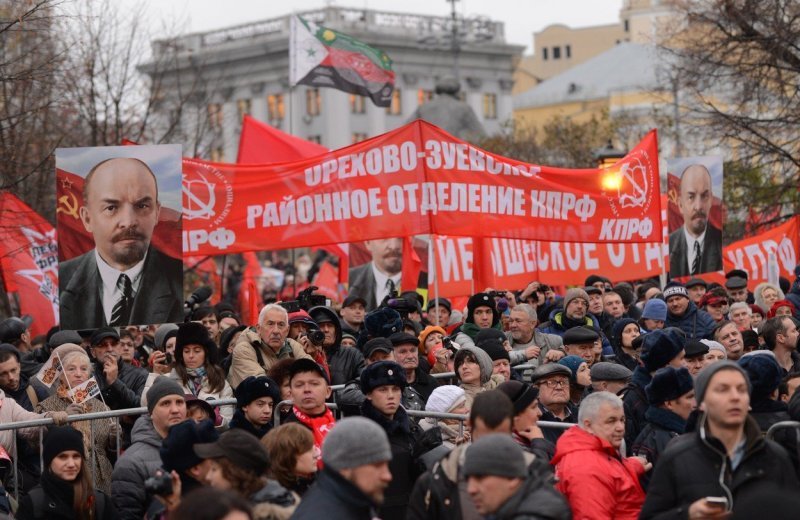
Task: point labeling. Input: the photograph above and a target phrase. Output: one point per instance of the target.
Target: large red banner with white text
(416, 180)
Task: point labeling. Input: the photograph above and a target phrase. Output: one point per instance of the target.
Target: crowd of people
(604, 402)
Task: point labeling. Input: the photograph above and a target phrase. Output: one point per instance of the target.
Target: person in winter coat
(355, 474)
(256, 398)
(660, 348)
(166, 407)
(292, 456)
(310, 388)
(473, 369)
(524, 429)
(382, 383)
(596, 481)
(552, 380)
(344, 363)
(405, 348)
(684, 314)
(574, 314)
(65, 490)
(501, 487)
(726, 456)
(623, 333)
(670, 395)
(447, 399)
(239, 463)
(654, 315)
(481, 314)
(258, 348)
(99, 434)
(196, 369)
(122, 384)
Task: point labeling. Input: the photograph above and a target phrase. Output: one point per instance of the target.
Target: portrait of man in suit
(373, 280)
(695, 247)
(124, 280)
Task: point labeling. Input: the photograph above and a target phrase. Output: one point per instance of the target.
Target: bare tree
(737, 68)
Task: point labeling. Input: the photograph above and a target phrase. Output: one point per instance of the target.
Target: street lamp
(608, 155)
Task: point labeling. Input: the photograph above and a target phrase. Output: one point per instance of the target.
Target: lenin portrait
(124, 279)
(696, 246)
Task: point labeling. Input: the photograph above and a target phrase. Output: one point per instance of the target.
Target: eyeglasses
(555, 383)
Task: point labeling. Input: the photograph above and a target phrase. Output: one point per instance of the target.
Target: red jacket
(596, 482)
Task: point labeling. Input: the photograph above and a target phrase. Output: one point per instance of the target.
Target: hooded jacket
(596, 482)
(696, 465)
(139, 462)
(487, 380)
(344, 363)
(620, 356)
(696, 323)
(635, 402)
(662, 426)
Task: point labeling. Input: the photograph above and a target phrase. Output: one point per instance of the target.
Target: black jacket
(240, 421)
(345, 363)
(333, 497)
(662, 426)
(696, 465)
(408, 442)
(21, 395)
(55, 502)
(635, 403)
(537, 499)
(126, 390)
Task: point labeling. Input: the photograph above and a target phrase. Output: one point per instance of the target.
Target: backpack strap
(31, 391)
(37, 500)
(100, 504)
(259, 356)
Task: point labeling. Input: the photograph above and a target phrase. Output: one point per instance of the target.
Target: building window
(313, 102)
(215, 115)
(568, 51)
(627, 25)
(544, 53)
(358, 137)
(395, 108)
(358, 104)
(490, 106)
(217, 154)
(556, 53)
(242, 108)
(315, 139)
(423, 96)
(275, 107)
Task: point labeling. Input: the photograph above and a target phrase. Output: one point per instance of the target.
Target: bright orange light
(611, 181)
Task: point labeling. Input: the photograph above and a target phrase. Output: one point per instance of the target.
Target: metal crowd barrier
(110, 414)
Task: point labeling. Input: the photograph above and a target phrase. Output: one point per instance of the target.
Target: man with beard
(697, 246)
(529, 345)
(124, 279)
(374, 280)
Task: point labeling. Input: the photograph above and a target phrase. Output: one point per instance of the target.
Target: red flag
(327, 279)
(261, 143)
(482, 268)
(412, 266)
(29, 262)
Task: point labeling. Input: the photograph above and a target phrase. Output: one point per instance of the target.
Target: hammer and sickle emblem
(68, 204)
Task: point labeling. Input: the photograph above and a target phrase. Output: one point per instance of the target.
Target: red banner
(752, 254)
(260, 143)
(29, 262)
(412, 181)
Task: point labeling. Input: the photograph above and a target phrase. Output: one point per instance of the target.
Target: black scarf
(398, 423)
(58, 489)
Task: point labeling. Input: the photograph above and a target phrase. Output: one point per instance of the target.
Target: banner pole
(432, 260)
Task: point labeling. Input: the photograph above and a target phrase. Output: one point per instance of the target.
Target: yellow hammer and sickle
(70, 205)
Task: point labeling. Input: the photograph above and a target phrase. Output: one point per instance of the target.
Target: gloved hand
(59, 418)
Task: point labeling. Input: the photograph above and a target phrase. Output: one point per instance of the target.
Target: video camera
(305, 300)
(401, 305)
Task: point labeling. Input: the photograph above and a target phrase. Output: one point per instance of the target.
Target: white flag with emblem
(305, 50)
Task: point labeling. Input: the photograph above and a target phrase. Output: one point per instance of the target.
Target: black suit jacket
(711, 259)
(362, 284)
(159, 299)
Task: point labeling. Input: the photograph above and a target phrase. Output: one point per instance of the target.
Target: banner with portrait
(119, 235)
(695, 215)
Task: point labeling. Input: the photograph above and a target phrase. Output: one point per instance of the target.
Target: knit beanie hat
(194, 333)
(353, 442)
(714, 345)
(593, 279)
(704, 377)
(60, 439)
(177, 449)
(483, 359)
(481, 300)
(660, 346)
(764, 372)
(674, 289)
(668, 384)
(521, 394)
(655, 309)
(444, 398)
(575, 292)
(494, 349)
(163, 333)
(162, 387)
(496, 455)
(380, 323)
(616, 330)
(427, 331)
(226, 337)
(489, 334)
(573, 363)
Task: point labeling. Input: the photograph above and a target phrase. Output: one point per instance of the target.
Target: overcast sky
(522, 17)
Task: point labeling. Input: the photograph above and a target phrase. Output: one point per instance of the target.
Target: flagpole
(432, 260)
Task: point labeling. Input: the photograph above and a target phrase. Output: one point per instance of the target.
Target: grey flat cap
(605, 371)
(550, 369)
